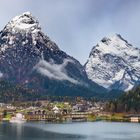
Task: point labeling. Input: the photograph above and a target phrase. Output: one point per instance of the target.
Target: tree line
(128, 102)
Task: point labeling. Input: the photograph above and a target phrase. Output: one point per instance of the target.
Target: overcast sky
(77, 25)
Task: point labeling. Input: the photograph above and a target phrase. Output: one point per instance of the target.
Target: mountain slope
(29, 58)
(114, 64)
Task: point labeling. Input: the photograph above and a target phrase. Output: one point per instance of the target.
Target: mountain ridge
(28, 57)
(114, 64)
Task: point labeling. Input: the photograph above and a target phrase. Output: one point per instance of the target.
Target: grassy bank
(111, 117)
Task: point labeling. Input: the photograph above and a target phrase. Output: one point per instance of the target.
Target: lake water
(70, 131)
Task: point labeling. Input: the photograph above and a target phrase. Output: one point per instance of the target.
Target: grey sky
(77, 25)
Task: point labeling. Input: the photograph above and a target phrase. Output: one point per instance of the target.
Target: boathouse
(133, 117)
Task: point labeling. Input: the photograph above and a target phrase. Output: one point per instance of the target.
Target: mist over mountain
(32, 60)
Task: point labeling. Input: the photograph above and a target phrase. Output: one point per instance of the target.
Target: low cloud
(55, 71)
(1, 74)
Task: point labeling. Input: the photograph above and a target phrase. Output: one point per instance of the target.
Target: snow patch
(129, 87)
(3, 48)
(25, 22)
(119, 75)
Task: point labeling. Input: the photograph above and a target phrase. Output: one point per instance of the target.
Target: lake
(70, 131)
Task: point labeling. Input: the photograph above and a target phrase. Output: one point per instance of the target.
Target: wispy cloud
(54, 71)
(1, 74)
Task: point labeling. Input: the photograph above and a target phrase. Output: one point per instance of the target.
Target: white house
(56, 110)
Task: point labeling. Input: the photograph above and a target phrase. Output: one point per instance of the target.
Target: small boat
(18, 119)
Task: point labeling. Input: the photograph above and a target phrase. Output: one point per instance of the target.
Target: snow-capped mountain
(29, 58)
(114, 64)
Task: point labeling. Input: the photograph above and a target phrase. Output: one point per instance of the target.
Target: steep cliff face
(114, 64)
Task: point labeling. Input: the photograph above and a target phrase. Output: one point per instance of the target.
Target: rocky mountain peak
(116, 45)
(24, 30)
(29, 58)
(114, 63)
(24, 22)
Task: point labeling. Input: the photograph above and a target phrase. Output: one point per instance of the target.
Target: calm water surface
(70, 131)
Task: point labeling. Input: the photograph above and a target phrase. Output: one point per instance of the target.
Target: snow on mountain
(25, 22)
(22, 36)
(30, 58)
(114, 64)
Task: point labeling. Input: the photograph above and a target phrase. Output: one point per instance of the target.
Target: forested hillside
(128, 102)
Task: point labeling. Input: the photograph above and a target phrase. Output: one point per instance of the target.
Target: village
(60, 111)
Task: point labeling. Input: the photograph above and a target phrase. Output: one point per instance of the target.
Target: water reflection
(18, 130)
(71, 131)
